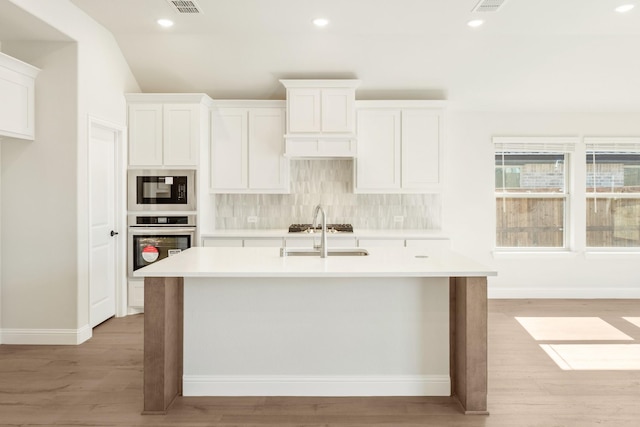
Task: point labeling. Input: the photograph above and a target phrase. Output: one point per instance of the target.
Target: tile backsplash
(330, 183)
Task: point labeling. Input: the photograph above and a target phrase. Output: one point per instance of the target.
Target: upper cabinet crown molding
(172, 98)
(17, 92)
(320, 118)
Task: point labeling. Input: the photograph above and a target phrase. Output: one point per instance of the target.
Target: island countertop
(267, 262)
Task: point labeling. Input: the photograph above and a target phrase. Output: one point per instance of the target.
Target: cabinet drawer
(268, 243)
(221, 243)
(387, 243)
(430, 244)
(307, 242)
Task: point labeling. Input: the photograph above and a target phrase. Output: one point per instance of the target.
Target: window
(531, 190)
(613, 192)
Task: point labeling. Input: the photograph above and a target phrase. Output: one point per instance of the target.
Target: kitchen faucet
(323, 238)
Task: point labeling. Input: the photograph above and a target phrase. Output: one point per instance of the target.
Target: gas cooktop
(331, 228)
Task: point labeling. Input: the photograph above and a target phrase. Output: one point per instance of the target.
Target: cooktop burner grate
(332, 228)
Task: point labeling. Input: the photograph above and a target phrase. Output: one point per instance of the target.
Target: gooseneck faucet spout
(323, 238)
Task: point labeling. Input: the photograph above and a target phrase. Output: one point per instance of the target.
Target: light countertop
(358, 234)
(267, 262)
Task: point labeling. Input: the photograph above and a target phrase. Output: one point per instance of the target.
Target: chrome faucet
(323, 239)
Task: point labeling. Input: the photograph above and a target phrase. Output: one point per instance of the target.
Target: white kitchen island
(246, 321)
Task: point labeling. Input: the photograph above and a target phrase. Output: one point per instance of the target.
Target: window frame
(608, 145)
(546, 146)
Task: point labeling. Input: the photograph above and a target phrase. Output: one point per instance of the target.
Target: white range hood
(320, 118)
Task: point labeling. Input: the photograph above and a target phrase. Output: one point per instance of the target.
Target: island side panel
(468, 341)
(163, 337)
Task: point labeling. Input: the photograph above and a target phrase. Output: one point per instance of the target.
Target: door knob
(113, 233)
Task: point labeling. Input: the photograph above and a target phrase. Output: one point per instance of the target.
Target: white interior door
(103, 237)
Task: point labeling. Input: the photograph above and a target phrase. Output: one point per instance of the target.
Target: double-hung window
(613, 192)
(532, 192)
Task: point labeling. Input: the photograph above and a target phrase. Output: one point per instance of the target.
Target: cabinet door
(263, 243)
(268, 168)
(377, 243)
(145, 135)
(420, 149)
(17, 105)
(303, 109)
(378, 161)
(337, 110)
(221, 243)
(429, 244)
(181, 134)
(229, 149)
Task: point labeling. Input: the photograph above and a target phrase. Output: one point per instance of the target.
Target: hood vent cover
(185, 6)
(488, 5)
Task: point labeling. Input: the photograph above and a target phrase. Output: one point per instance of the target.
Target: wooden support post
(468, 342)
(163, 331)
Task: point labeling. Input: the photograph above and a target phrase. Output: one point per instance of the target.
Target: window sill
(612, 253)
(515, 254)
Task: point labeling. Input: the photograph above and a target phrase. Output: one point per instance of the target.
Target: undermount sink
(316, 252)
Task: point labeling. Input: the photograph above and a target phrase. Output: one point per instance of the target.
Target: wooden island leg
(468, 342)
(163, 330)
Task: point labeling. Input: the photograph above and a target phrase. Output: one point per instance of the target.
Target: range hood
(320, 118)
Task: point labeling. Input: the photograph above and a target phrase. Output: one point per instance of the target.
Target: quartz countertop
(267, 262)
(359, 234)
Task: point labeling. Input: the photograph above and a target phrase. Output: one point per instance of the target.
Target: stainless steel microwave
(161, 190)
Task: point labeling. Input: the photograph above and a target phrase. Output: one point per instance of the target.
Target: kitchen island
(246, 321)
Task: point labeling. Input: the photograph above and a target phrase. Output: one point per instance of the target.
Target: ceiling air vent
(489, 5)
(185, 6)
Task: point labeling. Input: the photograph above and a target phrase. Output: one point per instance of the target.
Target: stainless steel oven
(161, 190)
(152, 238)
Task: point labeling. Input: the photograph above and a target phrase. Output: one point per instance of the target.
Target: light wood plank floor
(99, 383)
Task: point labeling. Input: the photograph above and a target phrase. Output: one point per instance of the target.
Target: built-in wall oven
(155, 237)
(161, 190)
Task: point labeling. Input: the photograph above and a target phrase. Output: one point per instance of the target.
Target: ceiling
(567, 55)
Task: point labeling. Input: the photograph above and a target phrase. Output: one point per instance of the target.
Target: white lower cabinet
(213, 242)
(247, 149)
(386, 243)
(430, 244)
(136, 293)
(263, 243)
(332, 242)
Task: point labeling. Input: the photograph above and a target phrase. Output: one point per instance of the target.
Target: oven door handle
(160, 230)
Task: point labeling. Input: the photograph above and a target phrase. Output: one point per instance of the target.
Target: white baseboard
(570, 293)
(45, 336)
(293, 385)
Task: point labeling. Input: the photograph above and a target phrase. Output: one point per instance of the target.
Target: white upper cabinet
(399, 146)
(378, 163)
(320, 118)
(165, 130)
(17, 97)
(247, 143)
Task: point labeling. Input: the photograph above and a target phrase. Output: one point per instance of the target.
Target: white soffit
(488, 5)
(185, 6)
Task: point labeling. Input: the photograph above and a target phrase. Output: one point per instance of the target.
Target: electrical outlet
(398, 218)
(252, 219)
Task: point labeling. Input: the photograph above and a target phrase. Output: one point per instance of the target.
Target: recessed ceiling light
(320, 22)
(166, 23)
(624, 8)
(475, 23)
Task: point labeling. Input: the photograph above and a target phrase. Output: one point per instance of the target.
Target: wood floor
(99, 383)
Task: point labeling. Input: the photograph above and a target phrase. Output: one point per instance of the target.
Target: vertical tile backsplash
(330, 183)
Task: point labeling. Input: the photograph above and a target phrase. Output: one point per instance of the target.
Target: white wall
(469, 207)
(48, 293)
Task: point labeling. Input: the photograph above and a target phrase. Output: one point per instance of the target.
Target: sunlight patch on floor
(571, 329)
(634, 320)
(581, 357)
